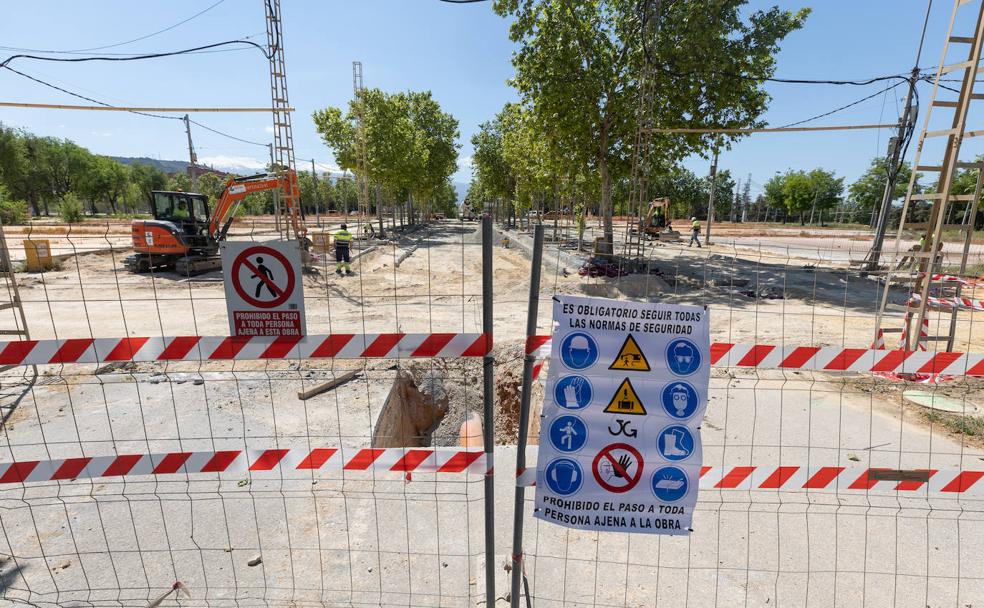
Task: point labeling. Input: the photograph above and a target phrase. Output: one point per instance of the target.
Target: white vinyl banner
(620, 435)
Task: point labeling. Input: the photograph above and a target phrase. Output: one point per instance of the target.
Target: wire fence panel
(819, 488)
(122, 475)
(209, 470)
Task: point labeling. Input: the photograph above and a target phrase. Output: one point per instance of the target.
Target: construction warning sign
(263, 288)
(626, 392)
(625, 401)
(630, 357)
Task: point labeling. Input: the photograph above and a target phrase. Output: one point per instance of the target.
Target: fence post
(524, 416)
(488, 414)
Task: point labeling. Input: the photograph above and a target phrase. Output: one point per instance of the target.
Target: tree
(579, 66)
(211, 185)
(866, 194)
(799, 192)
(410, 143)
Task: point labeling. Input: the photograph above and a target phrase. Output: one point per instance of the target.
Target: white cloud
(268, 129)
(233, 163)
(465, 162)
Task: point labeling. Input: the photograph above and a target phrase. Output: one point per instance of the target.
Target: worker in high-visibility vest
(343, 244)
(694, 232)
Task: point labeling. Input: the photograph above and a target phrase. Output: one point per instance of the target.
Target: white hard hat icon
(579, 342)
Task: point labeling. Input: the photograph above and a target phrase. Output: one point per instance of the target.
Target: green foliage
(211, 185)
(70, 209)
(802, 192)
(12, 213)
(579, 66)
(410, 143)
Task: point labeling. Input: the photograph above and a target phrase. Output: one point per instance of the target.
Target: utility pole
(906, 125)
(192, 157)
(317, 195)
(710, 198)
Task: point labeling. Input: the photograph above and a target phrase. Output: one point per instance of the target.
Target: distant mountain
(167, 166)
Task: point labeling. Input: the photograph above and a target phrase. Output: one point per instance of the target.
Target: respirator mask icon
(680, 399)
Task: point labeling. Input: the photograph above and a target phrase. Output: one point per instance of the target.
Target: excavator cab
(178, 231)
(187, 211)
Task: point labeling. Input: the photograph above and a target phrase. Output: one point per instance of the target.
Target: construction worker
(694, 232)
(343, 242)
(181, 213)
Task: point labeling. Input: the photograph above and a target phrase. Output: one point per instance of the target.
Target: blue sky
(459, 52)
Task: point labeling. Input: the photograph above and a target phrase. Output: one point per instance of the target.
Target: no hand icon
(618, 467)
(268, 275)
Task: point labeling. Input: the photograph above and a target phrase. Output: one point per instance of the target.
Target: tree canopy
(580, 66)
(410, 142)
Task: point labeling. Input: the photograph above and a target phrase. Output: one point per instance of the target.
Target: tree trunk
(607, 246)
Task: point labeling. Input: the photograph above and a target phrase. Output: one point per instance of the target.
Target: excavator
(658, 221)
(184, 235)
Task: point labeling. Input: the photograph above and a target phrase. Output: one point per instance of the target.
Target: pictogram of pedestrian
(265, 279)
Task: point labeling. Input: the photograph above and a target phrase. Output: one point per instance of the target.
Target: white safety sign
(264, 288)
(620, 437)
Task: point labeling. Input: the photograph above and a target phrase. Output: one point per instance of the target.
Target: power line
(770, 129)
(103, 103)
(207, 52)
(844, 107)
(80, 96)
(109, 46)
(217, 132)
(8, 60)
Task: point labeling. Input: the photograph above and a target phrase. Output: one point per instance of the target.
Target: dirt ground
(356, 540)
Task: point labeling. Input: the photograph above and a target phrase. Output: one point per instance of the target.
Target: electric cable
(80, 96)
(844, 107)
(114, 45)
(151, 115)
(8, 60)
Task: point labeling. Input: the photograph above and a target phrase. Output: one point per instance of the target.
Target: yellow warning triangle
(626, 401)
(630, 357)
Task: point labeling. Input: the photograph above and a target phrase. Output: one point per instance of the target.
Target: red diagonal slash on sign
(263, 277)
(606, 453)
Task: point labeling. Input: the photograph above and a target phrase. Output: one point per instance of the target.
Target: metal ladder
(283, 138)
(13, 300)
(918, 265)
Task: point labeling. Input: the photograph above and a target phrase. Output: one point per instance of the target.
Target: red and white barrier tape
(960, 303)
(224, 348)
(796, 479)
(456, 460)
(826, 358)
(397, 460)
(949, 278)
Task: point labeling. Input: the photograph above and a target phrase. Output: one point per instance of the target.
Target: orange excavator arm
(236, 190)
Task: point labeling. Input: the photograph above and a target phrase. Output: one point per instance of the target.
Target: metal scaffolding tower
(919, 264)
(360, 172)
(639, 179)
(283, 139)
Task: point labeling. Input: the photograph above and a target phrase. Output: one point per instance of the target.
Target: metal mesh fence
(275, 535)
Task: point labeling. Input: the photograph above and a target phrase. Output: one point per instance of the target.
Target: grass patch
(970, 426)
